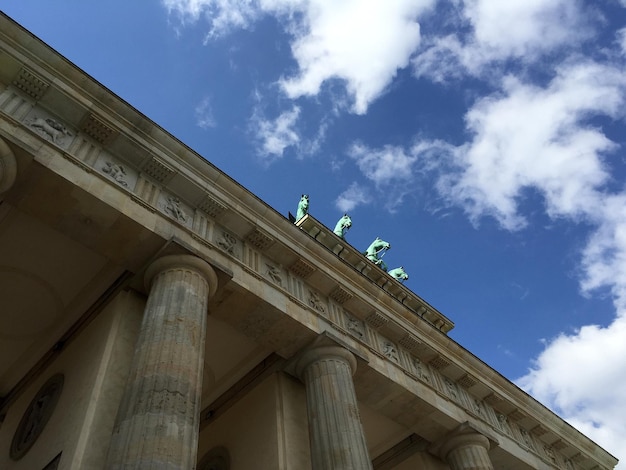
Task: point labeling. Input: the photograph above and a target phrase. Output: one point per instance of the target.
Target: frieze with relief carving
(274, 274)
(116, 172)
(173, 207)
(227, 242)
(316, 302)
(389, 350)
(49, 128)
(355, 327)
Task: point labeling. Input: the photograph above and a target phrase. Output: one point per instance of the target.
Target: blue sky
(484, 139)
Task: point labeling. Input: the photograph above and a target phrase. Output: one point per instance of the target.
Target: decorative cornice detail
(211, 206)
(467, 381)
(302, 269)
(98, 130)
(409, 342)
(376, 320)
(158, 170)
(516, 415)
(259, 239)
(31, 84)
(340, 295)
(439, 363)
(538, 430)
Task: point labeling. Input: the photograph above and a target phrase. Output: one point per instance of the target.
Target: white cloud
(362, 43)
(521, 27)
(621, 39)
(543, 139)
(490, 31)
(204, 114)
(383, 166)
(540, 138)
(222, 15)
(582, 377)
(276, 135)
(352, 197)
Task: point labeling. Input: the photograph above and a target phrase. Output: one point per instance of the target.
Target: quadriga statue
(303, 207)
(399, 274)
(343, 225)
(376, 251)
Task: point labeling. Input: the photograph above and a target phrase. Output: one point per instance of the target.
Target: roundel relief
(36, 416)
(216, 459)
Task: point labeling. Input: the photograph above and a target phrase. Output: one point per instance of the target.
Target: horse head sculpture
(343, 225)
(303, 207)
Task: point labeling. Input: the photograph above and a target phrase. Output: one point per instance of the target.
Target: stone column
(8, 167)
(158, 419)
(336, 434)
(467, 451)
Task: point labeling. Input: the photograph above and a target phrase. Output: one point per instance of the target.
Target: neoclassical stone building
(156, 314)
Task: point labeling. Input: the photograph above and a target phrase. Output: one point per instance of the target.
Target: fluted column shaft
(8, 167)
(158, 419)
(467, 452)
(336, 434)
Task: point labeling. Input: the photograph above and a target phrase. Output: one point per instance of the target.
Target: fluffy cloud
(362, 43)
(383, 166)
(540, 138)
(352, 197)
(276, 135)
(581, 376)
(204, 114)
(222, 15)
(489, 31)
(543, 139)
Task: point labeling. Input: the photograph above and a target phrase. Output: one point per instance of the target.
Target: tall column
(158, 420)
(336, 433)
(467, 451)
(8, 167)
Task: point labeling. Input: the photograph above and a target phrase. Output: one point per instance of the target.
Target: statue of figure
(342, 227)
(375, 252)
(399, 274)
(115, 171)
(173, 207)
(303, 207)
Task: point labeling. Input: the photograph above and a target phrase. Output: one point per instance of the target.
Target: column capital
(170, 262)
(319, 353)
(463, 440)
(8, 167)
(465, 448)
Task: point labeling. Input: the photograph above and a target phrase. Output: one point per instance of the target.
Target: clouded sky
(484, 139)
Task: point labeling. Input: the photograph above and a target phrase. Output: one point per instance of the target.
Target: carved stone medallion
(36, 416)
(216, 459)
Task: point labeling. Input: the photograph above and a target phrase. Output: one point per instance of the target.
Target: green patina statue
(342, 227)
(376, 251)
(399, 274)
(303, 207)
